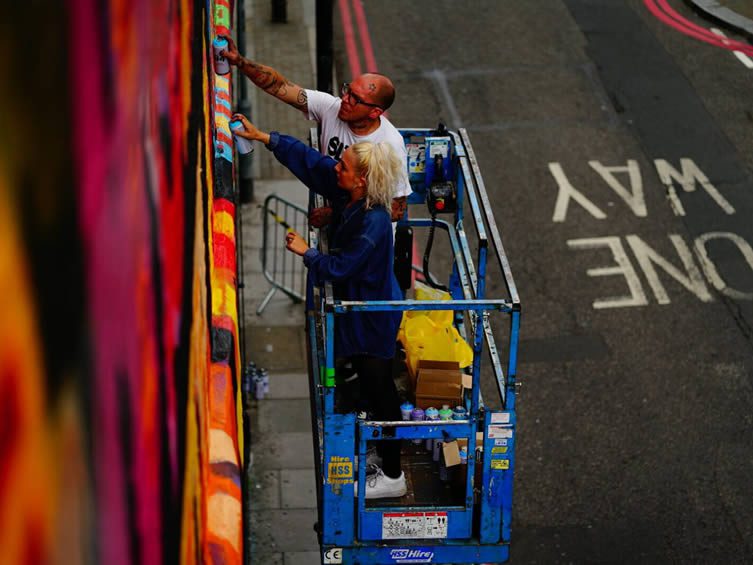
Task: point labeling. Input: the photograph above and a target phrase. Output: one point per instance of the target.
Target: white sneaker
(379, 485)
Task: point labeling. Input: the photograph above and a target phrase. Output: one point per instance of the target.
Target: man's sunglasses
(346, 92)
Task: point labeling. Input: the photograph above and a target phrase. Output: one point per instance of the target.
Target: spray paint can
(258, 386)
(405, 410)
(417, 415)
(243, 145)
(264, 375)
(221, 66)
(445, 413)
(248, 378)
(459, 413)
(431, 414)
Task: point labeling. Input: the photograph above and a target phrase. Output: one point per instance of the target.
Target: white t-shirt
(336, 136)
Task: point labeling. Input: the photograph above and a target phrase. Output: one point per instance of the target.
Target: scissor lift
(469, 526)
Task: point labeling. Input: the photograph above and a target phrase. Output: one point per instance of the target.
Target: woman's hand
(295, 243)
(252, 132)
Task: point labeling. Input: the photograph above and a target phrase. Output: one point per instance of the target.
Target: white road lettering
(647, 257)
(623, 267)
(633, 197)
(709, 268)
(687, 179)
(566, 192)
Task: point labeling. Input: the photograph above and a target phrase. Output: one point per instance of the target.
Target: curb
(724, 16)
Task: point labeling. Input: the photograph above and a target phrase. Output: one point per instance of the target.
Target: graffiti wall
(119, 394)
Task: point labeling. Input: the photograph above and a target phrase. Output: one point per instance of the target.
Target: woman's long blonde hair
(381, 166)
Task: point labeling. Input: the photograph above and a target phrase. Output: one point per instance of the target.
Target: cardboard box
(451, 453)
(452, 457)
(463, 442)
(438, 383)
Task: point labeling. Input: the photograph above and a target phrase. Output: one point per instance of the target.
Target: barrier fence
(283, 269)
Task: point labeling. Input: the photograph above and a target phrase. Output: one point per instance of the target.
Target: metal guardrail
(282, 269)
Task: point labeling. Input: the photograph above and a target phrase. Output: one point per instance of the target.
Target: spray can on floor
(247, 385)
(258, 385)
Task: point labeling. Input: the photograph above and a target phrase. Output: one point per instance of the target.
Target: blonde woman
(359, 265)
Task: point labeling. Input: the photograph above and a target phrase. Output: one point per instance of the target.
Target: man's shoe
(380, 485)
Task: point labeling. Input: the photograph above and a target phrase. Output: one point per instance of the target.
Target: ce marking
(333, 556)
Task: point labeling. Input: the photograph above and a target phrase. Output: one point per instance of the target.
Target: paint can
(264, 374)
(405, 410)
(248, 378)
(243, 145)
(221, 65)
(417, 415)
(431, 414)
(258, 386)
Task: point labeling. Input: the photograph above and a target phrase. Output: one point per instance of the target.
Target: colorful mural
(120, 430)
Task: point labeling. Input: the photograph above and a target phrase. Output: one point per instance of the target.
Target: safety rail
(283, 271)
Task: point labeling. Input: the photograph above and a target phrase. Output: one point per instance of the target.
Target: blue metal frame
(350, 532)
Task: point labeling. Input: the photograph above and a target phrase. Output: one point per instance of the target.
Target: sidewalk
(736, 15)
(281, 477)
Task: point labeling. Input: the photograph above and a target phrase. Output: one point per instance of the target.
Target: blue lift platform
(469, 519)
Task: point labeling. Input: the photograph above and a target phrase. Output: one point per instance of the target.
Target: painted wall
(119, 384)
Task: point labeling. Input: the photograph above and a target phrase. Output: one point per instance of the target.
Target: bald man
(357, 115)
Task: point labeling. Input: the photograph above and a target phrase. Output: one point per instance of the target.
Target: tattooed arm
(267, 78)
(272, 82)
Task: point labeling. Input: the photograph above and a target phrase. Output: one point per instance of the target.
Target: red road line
(354, 61)
(363, 30)
(665, 13)
(350, 39)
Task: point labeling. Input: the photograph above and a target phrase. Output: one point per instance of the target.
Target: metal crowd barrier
(283, 269)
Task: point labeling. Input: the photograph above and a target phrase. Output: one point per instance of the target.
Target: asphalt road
(636, 415)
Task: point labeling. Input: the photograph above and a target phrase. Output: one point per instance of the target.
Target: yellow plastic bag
(422, 291)
(431, 335)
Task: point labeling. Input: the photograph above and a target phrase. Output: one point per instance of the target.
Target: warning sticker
(498, 431)
(499, 450)
(501, 464)
(501, 418)
(438, 147)
(339, 470)
(403, 525)
(416, 157)
(500, 442)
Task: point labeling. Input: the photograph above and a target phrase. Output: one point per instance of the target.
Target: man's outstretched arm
(267, 78)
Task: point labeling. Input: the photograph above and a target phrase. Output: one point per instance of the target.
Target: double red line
(351, 46)
(665, 13)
